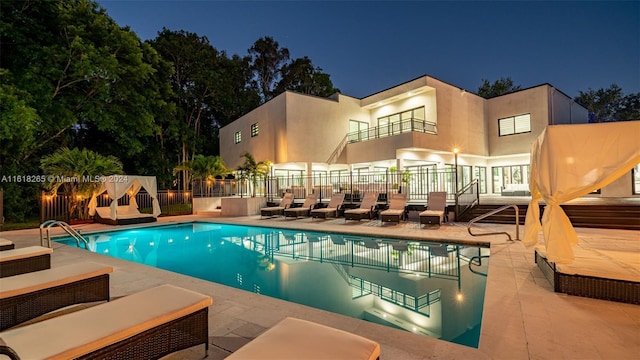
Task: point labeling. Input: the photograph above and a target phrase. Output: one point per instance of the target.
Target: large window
(399, 122)
(254, 130)
(506, 175)
(514, 125)
(481, 175)
(357, 131)
(238, 137)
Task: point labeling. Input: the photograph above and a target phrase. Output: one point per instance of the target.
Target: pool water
(432, 289)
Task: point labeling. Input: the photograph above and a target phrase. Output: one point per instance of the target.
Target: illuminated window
(238, 137)
(636, 179)
(254, 130)
(514, 125)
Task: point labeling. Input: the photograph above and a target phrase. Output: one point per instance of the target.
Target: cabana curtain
(570, 161)
(119, 185)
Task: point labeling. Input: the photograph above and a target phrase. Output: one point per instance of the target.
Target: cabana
(570, 161)
(116, 187)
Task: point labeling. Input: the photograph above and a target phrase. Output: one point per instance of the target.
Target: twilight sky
(369, 46)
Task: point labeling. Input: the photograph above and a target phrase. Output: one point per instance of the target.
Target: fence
(58, 206)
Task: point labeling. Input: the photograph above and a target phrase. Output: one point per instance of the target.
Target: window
(481, 175)
(254, 130)
(238, 137)
(514, 125)
(358, 131)
(506, 175)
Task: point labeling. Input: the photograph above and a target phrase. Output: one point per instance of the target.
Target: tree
(300, 75)
(629, 108)
(204, 167)
(499, 87)
(253, 170)
(267, 58)
(77, 172)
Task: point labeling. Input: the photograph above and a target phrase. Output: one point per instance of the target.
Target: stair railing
(45, 233)
(493, 212)
(467, 197)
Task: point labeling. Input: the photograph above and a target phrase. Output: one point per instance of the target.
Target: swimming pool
(431, 289)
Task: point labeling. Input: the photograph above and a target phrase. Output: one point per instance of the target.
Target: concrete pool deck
(523, 318)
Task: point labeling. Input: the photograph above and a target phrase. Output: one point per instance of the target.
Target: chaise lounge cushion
(25, 252)
(82, 332)
(39, 280)
(300, 339)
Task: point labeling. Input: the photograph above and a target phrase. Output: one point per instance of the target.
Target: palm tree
(205, 168)
(253, 170)
(78, 173)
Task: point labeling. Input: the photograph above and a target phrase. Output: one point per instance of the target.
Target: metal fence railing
(58, 207)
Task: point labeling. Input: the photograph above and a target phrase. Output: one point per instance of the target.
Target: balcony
(391, 129)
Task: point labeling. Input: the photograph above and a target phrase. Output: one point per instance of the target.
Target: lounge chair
(6, 244)
(286, 201)
(396, 210)
(27, 296)
(434, 214)
(366, 209)
(145, 325)
(332, 209)
(310, 202)
(24, 260)
(296, 339)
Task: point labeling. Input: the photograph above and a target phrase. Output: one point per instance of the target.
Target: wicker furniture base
(589, 286)
(180, 334)
(7, 247)
(18, 309)
(25, 265)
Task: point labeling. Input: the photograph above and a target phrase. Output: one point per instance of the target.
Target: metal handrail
(47, 225)
(495, 211)
(474, 183)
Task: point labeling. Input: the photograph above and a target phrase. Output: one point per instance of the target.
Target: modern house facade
(423, 126)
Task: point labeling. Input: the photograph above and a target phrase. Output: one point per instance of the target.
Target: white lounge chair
(294, 339)
(310, 202)
(146, 325)
(396, 209)
(332, 209)
(434, 215)
(366, 209)
(27, 296)
(24, 260)
(286, 201)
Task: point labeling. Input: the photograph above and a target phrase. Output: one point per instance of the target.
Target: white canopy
(570, 161)
(118, 185)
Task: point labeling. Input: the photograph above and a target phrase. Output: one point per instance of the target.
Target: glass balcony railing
(394, 128)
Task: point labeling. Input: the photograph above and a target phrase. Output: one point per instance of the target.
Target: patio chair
(332, 209)
(286, 202)
(310, 202)
(6, 244)
(24, 260)
(434, 214)
(294, 338)
(27, 296)
(396, 210)
(145, 325)
(366, 209)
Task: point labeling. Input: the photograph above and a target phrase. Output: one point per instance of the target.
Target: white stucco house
(414, 126)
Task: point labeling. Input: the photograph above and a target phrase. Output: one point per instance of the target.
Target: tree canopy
(499, 87)
(610, 104)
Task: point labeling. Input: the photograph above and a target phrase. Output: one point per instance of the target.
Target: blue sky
(368, 46)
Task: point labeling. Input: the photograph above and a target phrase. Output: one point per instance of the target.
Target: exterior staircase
(608, 216)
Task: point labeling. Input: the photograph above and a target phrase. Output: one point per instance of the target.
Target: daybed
(126, 215)
(309, 203)
(331, 210)
(434, 214)
(396, 210)
(24, 260)
(366, 209)
(297, 339)
(27, 296)
(146, 325)
(516, 190)
(287, 200)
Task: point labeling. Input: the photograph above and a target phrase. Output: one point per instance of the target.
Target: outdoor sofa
(27, 296)
(146, 325)
(24, 260)
(293, 339)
